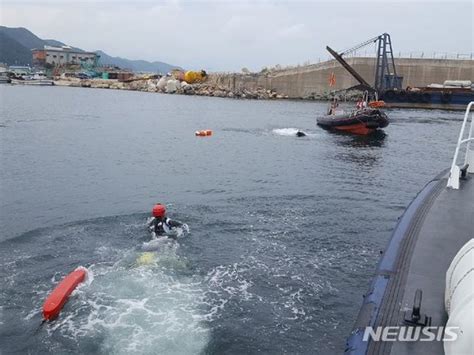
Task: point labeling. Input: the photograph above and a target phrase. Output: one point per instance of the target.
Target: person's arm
(150, 224)
(149, 221)
(174, 224)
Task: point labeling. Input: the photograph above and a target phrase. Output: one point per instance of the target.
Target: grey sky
(229, 35)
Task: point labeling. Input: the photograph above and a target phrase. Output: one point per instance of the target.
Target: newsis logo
(407, 333)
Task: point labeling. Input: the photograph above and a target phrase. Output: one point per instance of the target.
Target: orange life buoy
(203, 133)
(377, 104)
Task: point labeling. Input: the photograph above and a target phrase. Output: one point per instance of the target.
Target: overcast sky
(228, 35)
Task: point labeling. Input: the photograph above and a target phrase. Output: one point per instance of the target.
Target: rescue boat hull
(358, 122)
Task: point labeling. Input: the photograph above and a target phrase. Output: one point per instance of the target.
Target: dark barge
(429, 98)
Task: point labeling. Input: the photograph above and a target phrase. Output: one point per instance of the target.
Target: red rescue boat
(56, 300)
(363, 121)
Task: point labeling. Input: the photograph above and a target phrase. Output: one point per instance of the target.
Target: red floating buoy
(56, 300)
(203, 133)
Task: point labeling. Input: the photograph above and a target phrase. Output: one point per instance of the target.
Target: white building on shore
(55, 56)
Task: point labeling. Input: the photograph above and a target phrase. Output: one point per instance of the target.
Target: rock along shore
(211, 87)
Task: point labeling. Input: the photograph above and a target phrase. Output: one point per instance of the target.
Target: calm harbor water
(285, 231)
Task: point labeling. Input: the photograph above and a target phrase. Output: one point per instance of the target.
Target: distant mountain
(135, 65)
(54, 43)
(26, 38)
(12, 52)
(16, 45)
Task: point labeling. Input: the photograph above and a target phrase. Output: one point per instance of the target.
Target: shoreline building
(54, 56)
(20, 70)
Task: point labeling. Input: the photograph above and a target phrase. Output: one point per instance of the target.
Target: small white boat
(4, 78)
(36, 79)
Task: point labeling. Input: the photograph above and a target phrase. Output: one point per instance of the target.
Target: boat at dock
(4, 76)
(37, 79)
(452, 95)
(363, 121)
(422, 296)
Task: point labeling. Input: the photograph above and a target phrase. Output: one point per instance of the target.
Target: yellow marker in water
(146, 258)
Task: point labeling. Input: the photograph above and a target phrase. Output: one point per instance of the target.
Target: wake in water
(124, 306)
(137, 309)
(140, 304)
(285, 131)
(158, 242)
(291, 132)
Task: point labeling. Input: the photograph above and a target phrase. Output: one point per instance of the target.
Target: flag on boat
(332, 79)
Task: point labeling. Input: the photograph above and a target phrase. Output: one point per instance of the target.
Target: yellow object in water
(192, 77)
(146, 258)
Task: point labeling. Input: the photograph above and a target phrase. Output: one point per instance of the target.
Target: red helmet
(158, 210)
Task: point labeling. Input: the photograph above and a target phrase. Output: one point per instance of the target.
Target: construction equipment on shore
(385, 71)
(388, 85)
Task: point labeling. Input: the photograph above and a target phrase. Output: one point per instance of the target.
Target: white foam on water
(180, 232)
(142, 309)
(89, 276)
(285, 131)
(162, 243)
(291, 132)
(230, 286)
(227, 283)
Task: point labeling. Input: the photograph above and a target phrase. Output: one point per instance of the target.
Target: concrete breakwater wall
(305, 82)
(311, 81)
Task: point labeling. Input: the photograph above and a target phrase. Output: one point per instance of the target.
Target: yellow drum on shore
(192, 77)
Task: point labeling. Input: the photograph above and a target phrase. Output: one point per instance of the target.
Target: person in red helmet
(160, 225)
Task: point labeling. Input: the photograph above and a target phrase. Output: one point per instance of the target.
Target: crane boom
(355, 74)
(385, 71)
(363, 44)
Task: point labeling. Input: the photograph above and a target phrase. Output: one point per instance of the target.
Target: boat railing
(468, 164)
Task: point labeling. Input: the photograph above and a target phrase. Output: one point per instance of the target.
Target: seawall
(312, 80)
(306, 82)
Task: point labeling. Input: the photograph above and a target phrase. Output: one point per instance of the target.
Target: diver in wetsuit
(160, 225)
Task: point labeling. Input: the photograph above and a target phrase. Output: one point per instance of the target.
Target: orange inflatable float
(377, 104)
(203, 133)
(56, 300)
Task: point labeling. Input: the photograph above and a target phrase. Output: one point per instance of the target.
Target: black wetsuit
(162, 226)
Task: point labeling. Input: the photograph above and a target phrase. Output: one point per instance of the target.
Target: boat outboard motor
(300, 134)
